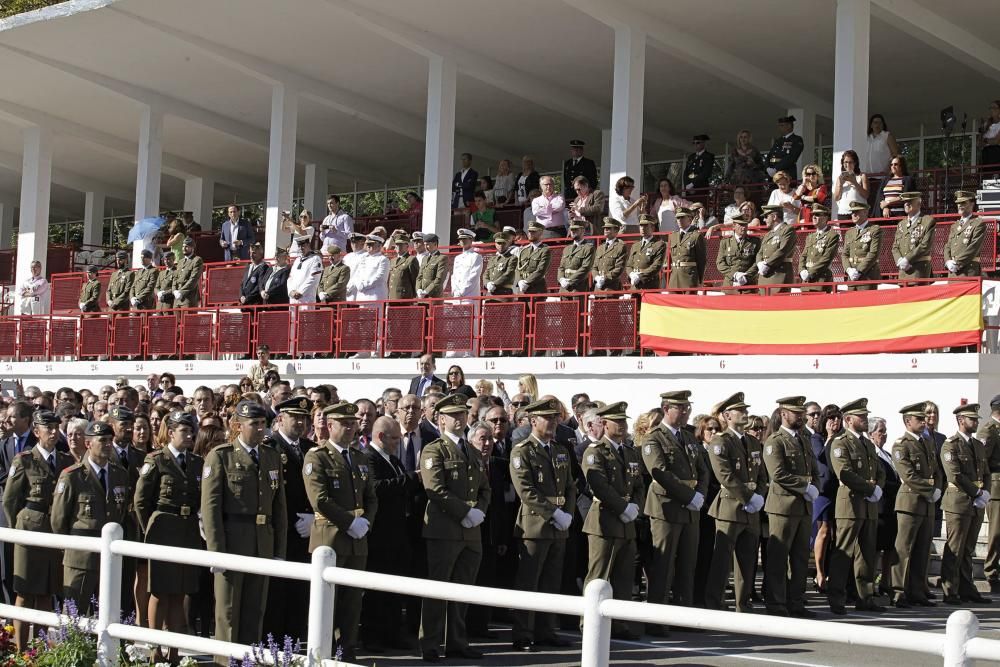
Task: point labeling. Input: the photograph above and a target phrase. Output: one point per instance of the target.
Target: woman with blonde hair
(646, 422)
(746, 164)
(785, 197)
(484, 388)
(528, 384)
(811, 191)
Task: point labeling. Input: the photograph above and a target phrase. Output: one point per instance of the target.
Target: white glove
(359, 528)
(561, 520)
(630, 513)
(979, 503)
(134, 301)
(177, 294)
(473, 518)
(951, 265)
(421, 293)
(304, 525)
(936, 495)
(876, 495)
(82, 304)
(322, 296)
(160, 294)
(755, 504)
(811, 492)
(564, 283)
(217, 570)
(762, 267)
(599, 282)
(696, 502)
(985, 495)
(903, 264)
(853, 274)
(804, 275)
(522, 285)
(490, 286)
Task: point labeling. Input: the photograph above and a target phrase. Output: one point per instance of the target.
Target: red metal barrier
(62, 337)
(503, 327)
(317, 331)
(161, 336)
(613, 324)
(8, 338)
(196, 333)
(359, 328)
(32, 337)
(126, 335)
(223, 284)
(556, 324)
(234, 333)
(452, 326)
(95, 334)
(404, 328)
(274, 330)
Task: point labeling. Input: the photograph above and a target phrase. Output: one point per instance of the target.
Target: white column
(36, 185)
(805, 127)
(199, 195)
(850, 78)
(439, 147)
(281, 162)
(93, 219)
(148, 172)
(6, 224)
(605, 175)
(317, 184)
(626, 111)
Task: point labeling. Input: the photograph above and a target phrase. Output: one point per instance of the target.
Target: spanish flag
(909, 319)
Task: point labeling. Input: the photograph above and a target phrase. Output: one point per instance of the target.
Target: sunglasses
(810, 173)
(812, 414)
(713, 429)
(519, 404)
(498, 420)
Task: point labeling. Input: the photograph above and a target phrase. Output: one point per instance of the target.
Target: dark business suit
(277, 292)
(242, 231)
(253, 281)
(415, 384)
(381, 613)
(464, 187)
(8, 450)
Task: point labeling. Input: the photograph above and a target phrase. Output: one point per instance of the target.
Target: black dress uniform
(573, 167)
(785, 151)
(698, 167)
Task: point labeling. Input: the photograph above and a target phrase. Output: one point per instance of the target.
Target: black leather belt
(38, 507)
(184, 511)
(258, 519)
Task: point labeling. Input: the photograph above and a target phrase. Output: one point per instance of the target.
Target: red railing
(578, 323)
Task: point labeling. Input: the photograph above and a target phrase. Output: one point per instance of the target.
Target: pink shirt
(549, 212)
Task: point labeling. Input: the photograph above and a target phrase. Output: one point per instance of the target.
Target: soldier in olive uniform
(165, 282)
(911, 248)
(855, 462)
(336, 275)
(144, 284)
(533, 262)
(609, 260)
(774, 258)
(916, 462)
(673, 504)
(646, 257)
(965, 238)
(791, 467)
(577, 258)
(167, 496)
(818, 254)
(688, 253)
(860, 253)
(737, 253)
(989, 435)
(187, 278)
(90, 292)
(88, 495)
(341, 488)
(614, 474)
(27, 500)
(737, 461)
(124, 453)
(403, 269)
(963, 458)
(543, 479)
(433, 270)
(120, 283)
(458, 493)
(498, 278)
(243, 511)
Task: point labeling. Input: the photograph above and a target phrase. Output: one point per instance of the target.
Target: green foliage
(11, 7)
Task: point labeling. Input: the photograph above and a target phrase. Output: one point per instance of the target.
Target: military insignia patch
(648, 449)
(206, 471)
(770, 450)
(839, 451)
(309, 469)
(517, 462)
(898, 455)
(429, 463)
(591, 459)
(146, 467)
(947, 456)
(284, 458)
(273, 474)
(60, 487)
(718, 450)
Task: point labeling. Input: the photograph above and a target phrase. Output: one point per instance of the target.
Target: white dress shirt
(370, 278)
(466, 272)
(304, 277)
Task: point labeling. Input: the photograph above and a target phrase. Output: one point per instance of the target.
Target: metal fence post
(319, 642)
(962, 626)
(596, 628)
(109, 599)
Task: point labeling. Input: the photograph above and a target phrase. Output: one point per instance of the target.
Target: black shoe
(931, 595)
(524, 646)
(402, 644)
(553, 640)
(838, 610)
(901, 603)
(978, 598)
(431, 655)
(869, 605)
(994, 585)
(801, 613)
(925, 603)
(348, 656)
(952, 600)
(467, 653)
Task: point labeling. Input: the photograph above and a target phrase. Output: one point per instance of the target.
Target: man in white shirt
(337, 227)
(419, 247)
(34, 292)
(351, 259)
(303, 279)
(466, 279)
(370, 275)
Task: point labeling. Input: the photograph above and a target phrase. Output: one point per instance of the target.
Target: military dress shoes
(901, 603)
(431, 655)
(925, 603)
(838, 610)
(952, 600)
(978, 598)
(869, 605)
(523, 645)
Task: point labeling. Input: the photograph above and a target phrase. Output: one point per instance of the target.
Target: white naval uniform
(34, 296)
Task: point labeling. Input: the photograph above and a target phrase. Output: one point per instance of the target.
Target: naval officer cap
(45, 418)
(543, 407)
(700, 137)
(295, 406)
(967, 410)
(914, 410)
(452, 404)
(576, 143)
(734, 402)
(787, 119)
(250, 410)
(98, 430)
(342, 411)
(856, 407)
(375, 238)
(466, 234)
(614, 411)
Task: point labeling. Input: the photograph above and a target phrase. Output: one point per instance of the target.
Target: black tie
(182, 461)
(52, 463)
(461, 446)
(409, 454)
(347, 459)
(253, 455)
(103, 476)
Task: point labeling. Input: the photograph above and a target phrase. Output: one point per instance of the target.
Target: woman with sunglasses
(706, 427)
(811, 191)
(456, 383)
(899, 181)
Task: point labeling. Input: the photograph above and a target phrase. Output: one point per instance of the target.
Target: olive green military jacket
(543, 482)
(243, 504)
(856, 465)
(736, 255)
(81, 507)
(678, 472)
(615, 482)
(741, 473)
(776, 249)
(403, 272)
(165, 284)
(432, 274)
(31, 481)
(187, 281)
(144, 287)
(647, 257)
(965, 240)
(500, 269)
(119, 289)
(574, 266)
(861, 251)
(333, 282)
(989, 435)
(817, 255)
(532, 265)
(688, 253)
(90, 295)
(340, 493)
(967, 472)
(454, 484)
(609, 262)
(913, 239)
(791, 467)
(916, 464)
(167, 499)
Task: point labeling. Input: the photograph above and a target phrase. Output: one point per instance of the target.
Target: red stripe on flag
(664, 345)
